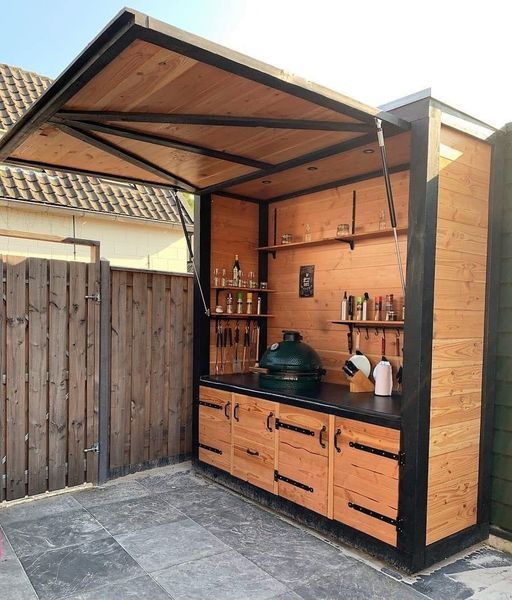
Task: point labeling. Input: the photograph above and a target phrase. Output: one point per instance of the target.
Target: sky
(372, 51)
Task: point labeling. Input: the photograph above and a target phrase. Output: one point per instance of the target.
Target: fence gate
(49, 371)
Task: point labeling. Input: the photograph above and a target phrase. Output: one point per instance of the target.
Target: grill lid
(291, 356)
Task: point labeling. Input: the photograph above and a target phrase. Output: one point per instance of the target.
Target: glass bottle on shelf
(236, 272)
(216, 277)
(223, 278)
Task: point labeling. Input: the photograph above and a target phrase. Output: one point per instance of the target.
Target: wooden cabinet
(215, 414)
(365, 478)
(254, 441)
(303, 449)
(341, 468)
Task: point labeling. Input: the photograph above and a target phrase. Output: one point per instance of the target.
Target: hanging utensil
(247, 343)
(217, 347)
(236, 362)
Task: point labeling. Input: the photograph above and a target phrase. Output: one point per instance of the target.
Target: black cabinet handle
(336, 436)
(270, 415)
(321, 436)
(235, 412)
(226, 409)
(252, 452)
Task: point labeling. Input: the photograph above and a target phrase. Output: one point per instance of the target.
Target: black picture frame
(307, 281)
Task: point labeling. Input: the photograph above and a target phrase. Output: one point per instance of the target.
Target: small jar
(342, 230)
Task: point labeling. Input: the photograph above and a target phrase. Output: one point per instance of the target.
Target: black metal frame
(418, 329)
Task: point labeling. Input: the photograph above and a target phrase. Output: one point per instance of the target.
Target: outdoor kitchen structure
(321, 198)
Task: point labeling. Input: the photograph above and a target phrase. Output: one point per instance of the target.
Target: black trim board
(331, 529)
(418, 329)
(201, 346)
(212, 120)
(496, 199)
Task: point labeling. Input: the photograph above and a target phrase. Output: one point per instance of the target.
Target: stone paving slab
(169, 533)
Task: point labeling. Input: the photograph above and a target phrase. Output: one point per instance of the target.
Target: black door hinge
(210, 448)
(376, 451)
(302, 486)
(281, 425)
(372, 513)
(210, 404)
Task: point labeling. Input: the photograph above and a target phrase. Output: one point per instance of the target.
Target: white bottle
(383, 376)
(344, 308)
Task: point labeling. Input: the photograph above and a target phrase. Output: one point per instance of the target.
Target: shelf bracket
(349, 242)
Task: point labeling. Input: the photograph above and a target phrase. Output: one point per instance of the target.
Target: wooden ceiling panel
(49, 146)
(269, 145)
(334, 168)
(148, 78)
(201, 171)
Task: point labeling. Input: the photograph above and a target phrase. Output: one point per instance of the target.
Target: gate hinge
(94, 448)
(96, 297)
(401, 458)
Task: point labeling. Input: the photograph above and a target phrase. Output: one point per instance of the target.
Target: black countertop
(325, 397)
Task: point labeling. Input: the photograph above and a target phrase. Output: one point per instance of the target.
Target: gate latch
(94, 448)
(96, 297)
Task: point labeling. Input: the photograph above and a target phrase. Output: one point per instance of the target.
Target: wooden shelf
(375, 324)
(231, 288)
(215, 315)
(348, 239)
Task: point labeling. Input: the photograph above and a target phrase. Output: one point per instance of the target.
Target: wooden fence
(49, 358)
(151, 369)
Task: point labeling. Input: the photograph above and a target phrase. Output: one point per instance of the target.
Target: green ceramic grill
(291, 364)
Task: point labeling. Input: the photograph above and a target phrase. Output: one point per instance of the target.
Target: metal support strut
(389, 195)
(190, 251)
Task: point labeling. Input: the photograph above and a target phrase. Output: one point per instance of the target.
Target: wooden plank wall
(151, 367)
(501, 506)
(45, 341)
(371, 267)
(457, 354)
(234, 230)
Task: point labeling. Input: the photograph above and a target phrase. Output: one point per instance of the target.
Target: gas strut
(191, 253)
(389, 195)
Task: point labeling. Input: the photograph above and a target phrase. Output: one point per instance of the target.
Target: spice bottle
(229, 303)
(249, 303)
(223, 278)
(258, 306)
(390, 310)
(359, 308)
(239, 303)
(378, 308)
(365, 306)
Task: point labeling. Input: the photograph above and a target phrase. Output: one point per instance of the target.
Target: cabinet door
(366, 477)
(215, 410)
(254, 441)
(303, 457)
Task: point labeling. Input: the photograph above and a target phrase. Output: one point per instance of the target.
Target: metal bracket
(210, 404)
(210, 448)
(96, 297)
(375, 515)
(401, 458)
(349, 242)
(94, 448)
(376, 451)
(281, 425)
(302, 486)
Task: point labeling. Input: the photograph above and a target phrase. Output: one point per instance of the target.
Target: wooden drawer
(303, 457)
(365, 477)
(215, 410)
(254, 441)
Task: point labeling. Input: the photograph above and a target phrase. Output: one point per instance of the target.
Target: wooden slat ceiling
(148, 102)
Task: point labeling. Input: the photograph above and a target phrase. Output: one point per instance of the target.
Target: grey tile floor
(168, 533)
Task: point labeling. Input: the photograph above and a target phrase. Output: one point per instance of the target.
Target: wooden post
(104, 374)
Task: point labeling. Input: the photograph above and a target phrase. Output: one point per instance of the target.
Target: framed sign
(307, 281)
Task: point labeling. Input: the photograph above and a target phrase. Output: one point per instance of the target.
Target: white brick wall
(125, 244)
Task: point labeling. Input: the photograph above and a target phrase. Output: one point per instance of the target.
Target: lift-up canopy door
(148, 102)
